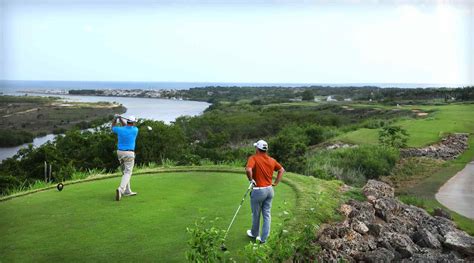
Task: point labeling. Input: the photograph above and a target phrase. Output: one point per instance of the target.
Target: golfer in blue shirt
(127, 134)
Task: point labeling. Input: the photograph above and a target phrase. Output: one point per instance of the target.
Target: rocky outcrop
(449, 148)
(383, 229)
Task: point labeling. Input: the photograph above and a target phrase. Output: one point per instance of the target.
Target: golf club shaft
(238, 209)
(121, 117)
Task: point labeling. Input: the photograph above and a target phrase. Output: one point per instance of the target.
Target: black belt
(126, 150)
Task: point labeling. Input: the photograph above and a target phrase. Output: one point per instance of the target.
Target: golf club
(120, 116)
(223, 247)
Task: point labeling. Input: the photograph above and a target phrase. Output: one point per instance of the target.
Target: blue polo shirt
(126, 137)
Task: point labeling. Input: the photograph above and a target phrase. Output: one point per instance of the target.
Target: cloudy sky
(418, 41)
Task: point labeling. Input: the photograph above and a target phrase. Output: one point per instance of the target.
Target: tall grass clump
(353, 165)
(25, 187)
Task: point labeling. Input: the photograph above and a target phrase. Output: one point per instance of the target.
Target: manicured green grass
(84, 223)
(442, 120)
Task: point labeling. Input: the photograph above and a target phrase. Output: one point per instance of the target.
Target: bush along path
(382, 229)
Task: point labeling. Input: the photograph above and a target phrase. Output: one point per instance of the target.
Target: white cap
(131, 119)
(262, 145)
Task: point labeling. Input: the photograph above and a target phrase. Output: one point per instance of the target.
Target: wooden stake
(45, 171)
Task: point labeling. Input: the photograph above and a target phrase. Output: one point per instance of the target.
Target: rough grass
(84, 223)
(410, 171)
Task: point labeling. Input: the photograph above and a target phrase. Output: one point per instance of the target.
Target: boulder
(425, 238)
(376, 256)
(402, 244)
(460, 242)
(378, 189)
(359, 227)
(385, 208)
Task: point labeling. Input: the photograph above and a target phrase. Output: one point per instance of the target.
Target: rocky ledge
(382, 229)
(449, 148)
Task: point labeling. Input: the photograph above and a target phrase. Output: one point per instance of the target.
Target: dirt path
(458, 193)
(20, 112)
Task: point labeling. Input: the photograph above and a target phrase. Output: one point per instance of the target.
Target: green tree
(289, 148)
(393, 136)
(307, 95)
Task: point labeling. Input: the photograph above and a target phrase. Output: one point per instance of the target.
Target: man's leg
(256, 198)
(266, 213)
(128, 163)
(128, 189)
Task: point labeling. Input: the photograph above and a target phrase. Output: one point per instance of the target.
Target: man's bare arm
(279, 176)
(249, 173)
(117, 118)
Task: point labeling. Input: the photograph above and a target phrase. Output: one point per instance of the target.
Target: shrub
(373, 161)
(9, 138)
(205, 241)
(65, 172)
(353, 165)
(393, 136)
(315, 134)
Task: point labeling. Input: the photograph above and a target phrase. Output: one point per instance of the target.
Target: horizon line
(244, 82)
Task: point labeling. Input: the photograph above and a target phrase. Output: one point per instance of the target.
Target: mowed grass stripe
(84, 223)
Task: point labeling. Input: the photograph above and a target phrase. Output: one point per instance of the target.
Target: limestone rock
(378, 189)
(449, 148)
(383, 229)
(425, 238)
(460, 242)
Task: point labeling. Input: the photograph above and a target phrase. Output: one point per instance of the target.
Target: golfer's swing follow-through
(127, 135)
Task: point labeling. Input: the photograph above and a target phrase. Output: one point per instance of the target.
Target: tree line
(224, 133)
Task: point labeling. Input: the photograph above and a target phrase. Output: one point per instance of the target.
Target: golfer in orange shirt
(260, 168)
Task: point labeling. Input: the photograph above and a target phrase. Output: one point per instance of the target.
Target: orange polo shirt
(263, 167)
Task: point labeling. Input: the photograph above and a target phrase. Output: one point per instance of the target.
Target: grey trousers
(261, 203)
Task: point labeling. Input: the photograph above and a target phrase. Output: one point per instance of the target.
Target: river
(143, 108)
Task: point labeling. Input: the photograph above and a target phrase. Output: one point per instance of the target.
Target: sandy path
(20, 112)
(458, 193)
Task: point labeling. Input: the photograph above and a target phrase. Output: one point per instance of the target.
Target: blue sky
(221, 41)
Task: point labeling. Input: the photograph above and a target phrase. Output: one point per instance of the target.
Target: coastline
(166, 110)
(122, 93)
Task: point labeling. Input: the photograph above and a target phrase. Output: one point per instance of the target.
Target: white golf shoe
(129, 193)
(249, 233)
(259, 239)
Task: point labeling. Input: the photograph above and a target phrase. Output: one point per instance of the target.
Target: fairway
(84, 223)
(441, 120)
